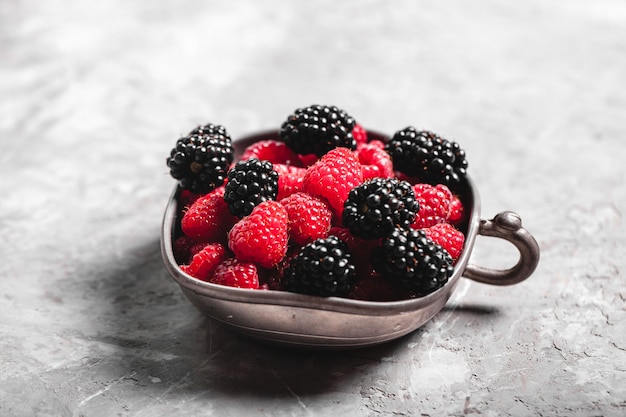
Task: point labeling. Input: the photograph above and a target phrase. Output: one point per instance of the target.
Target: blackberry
(200, 160)
(376, 207)
(427, 156)
(250, 183)
(317, 129)
(322, 267)
(412, 260)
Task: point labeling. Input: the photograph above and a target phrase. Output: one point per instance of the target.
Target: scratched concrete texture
(94, 94)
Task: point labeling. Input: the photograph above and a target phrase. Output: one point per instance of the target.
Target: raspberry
(201, 159)
(322, 267)
(309, 217)
(262, 236)
(427, 156)
(359, 134)
(289, 180)
(275, 151)
(333, 176)
(434, 204)
(308, 159)
(413, 261)
(186, 198)
(184, 247)
(448, 237)
(318, 129)
(250, 183)
(376, 207)
(456, 210)
(204, 262)
(208, 218)
(376, 162)
(234, 273)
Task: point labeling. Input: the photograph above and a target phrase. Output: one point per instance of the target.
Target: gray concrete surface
(93, 95)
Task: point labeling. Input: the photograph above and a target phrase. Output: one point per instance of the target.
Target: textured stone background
(94, 94)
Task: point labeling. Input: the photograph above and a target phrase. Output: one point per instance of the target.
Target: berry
(359, 134)
(375, 161)
(427, 156)
(309, 217)
(275, 151)
(234, 273)
(434, 201)
(200, 160)
(250, 183)
(448, 237)
(376, 207)
(204, 262)
(261, 237)
(317, 129)
(208, 218)
(322, 267)
(456, 210)
(290, 180)
(184, 247)
(413, 261)
(333, 176)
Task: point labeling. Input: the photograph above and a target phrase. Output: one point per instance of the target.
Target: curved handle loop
(507, 225)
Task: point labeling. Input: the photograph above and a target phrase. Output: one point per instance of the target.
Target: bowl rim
(290, 299)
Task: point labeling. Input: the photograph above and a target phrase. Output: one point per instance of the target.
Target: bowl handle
(507, 225)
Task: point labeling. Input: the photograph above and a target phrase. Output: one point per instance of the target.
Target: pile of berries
(321, 209)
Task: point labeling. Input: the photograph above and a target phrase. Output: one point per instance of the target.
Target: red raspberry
(186, 198)
(309, 217)
(449, 237)
(289, 180)
(204, 262)
(378, 143)
(376, 161)
(456, 210)
(333, 176)
(234, 273)
(308, 159)
(359, 134)
(434, 204)
(181, 248)
(208, 218)
(262, 236)
(276, 152)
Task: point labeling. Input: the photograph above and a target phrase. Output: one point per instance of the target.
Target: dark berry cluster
(322, 267)
(376, 207)
(427, 156)
(250, 183)
(200, 160)
(318, 129)
(415, 262)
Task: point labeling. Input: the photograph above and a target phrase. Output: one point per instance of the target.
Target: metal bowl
(337, 323)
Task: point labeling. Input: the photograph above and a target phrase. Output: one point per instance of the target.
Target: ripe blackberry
(200, 160)
(317, 129)
(411, 259)
(427, 156)
(250, 183)
(376, 207)
(322, 267)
